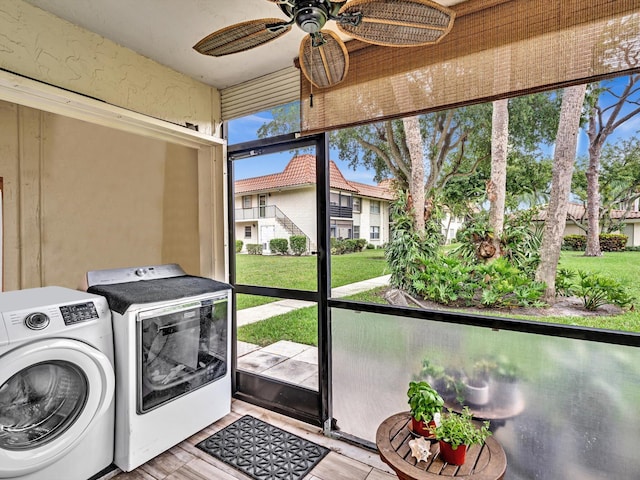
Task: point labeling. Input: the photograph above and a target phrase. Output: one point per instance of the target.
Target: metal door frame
(291, 400)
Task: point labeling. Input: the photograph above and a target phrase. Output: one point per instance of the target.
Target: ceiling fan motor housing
(311, 15)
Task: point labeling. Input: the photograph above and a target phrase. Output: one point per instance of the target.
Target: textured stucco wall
(38, 45)
(81, 197)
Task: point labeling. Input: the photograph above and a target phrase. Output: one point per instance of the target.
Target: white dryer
(172, 348)
(56, 384)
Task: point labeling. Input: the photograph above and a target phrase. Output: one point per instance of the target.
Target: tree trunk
(563, 161)
(497, 185)
(593, 191)
(416, 183)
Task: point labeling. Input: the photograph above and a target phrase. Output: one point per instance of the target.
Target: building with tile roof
(576, 212)
(282, 204)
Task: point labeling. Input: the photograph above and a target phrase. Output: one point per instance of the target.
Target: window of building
(356, 231)
(340, 199)
(246, 201)
(375, 233)
(247, 231)
(356, 205)
(374, 207)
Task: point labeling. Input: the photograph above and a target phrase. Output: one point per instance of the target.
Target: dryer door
(50, 393)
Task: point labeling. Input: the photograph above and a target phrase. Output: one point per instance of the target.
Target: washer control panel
(79, 312)
(28, 314)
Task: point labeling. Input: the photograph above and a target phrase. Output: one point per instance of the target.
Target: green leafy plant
(483, 368)
(431, 370)
(444, 380)
(298, 244)
(239, 244)
(254, 249)
(506, 370)
(597, 290)
(407, 247)
(424, 401)
(448, 280)
(279, 245)
(564, 282)
(459, 429)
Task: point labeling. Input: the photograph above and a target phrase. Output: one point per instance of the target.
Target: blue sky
(244, 129)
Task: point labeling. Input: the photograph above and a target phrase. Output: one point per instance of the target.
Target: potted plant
(456, 433)
(425, 405)
(476, 387)
(504, 385)
(445, 381)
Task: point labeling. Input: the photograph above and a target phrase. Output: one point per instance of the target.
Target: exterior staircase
(290, 226)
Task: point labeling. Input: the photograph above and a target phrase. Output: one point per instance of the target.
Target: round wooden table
(486, 462)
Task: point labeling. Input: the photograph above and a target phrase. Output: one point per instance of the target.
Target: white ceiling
(166, 30)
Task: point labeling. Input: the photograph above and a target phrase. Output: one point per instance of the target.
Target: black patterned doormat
(262, 451)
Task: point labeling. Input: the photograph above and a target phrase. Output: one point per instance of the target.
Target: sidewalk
(261, 312)
(284, 360)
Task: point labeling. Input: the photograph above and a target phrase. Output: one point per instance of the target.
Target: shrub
(371, 246)
(609, 242)
(279, 245)
(348, 245)
(239, 244)
(298, 244)
(575, 242)
(254, 249)
(613, 242)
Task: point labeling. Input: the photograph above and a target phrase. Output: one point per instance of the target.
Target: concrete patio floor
(284, 360)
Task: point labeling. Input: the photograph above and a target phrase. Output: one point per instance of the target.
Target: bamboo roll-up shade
(512, 47)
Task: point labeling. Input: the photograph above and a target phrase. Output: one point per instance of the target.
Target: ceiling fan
(323, 55)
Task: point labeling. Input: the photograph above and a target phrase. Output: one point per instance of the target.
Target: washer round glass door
(50, 393)
(40, 403)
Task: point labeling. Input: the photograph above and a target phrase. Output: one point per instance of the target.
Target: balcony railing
(272, 211)
(337, 211)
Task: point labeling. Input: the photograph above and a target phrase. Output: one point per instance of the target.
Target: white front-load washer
(172, 350)
(56, 384)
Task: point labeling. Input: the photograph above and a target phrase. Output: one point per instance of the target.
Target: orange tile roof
(300, 171)
(577, 211)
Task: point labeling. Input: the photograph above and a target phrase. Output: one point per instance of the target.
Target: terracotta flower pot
(449, 455)
(421, 428)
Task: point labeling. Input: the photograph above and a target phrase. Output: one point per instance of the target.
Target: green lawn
(300, 273)
(301, 325)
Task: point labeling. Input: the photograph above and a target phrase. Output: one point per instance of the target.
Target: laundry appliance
(172, 355)
(56, 384)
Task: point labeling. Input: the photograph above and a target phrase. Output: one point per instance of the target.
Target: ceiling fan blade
(327, 64)
(397, 23)
(242, 36)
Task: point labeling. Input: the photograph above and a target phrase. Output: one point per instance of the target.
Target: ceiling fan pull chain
(311, 79)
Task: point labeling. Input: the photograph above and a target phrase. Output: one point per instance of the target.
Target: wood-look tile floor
(186, 462)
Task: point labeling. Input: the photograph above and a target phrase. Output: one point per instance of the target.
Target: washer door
(50, 393)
